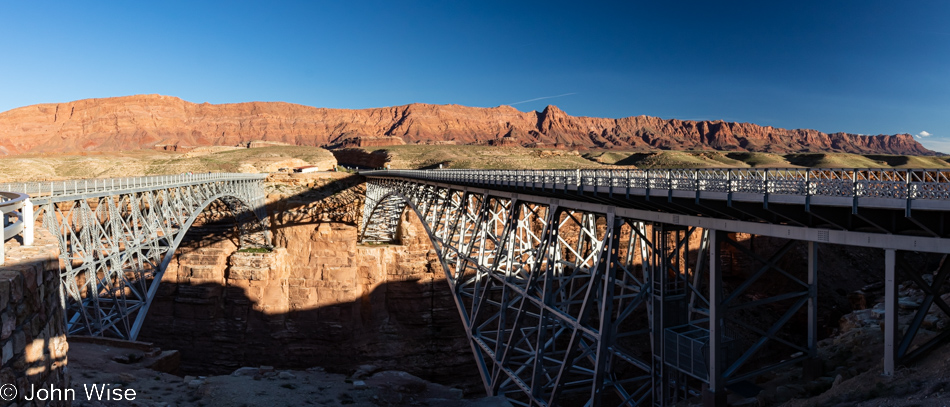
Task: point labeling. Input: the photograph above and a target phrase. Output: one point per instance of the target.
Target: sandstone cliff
(319, 299)
(154, 121)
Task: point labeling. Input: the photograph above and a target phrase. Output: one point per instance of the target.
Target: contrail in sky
(541, 98)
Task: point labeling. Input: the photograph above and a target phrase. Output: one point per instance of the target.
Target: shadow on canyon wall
(404, 325)
(318, 300)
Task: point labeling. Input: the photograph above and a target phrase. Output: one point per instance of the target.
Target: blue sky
(867, 67)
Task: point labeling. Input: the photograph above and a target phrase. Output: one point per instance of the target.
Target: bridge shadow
(374, 305)
(409, 325)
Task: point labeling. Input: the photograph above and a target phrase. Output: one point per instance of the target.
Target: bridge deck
(900, 209)
(499, 237)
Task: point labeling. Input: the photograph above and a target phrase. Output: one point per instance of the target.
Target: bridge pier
(715, 393)
(670, 276)
(890, 312)
(812, 367)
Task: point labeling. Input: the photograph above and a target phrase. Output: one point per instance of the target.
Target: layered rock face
(163, 122)
(32, 325)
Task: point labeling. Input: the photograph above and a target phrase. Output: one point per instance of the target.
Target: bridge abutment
(33, 336)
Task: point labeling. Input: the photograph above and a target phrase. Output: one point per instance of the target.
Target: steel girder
(545, 324)
(116, 238)
(558, 303)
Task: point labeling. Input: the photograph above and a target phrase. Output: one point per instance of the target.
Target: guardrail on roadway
(95, 185)
(871, 183)
(14, 204)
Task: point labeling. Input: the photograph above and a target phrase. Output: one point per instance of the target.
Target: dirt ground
(852, 377)
(126, 369)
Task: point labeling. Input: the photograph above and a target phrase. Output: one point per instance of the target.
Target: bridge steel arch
(117, 236)
(578, 288)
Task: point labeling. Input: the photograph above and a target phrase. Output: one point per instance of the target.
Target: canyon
(318, 299)
(320, 302)
(170, 123)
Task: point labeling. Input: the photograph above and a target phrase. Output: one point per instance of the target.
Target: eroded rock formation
(163, 122)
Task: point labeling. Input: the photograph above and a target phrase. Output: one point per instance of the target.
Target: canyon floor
(852, 378)
(126, 368)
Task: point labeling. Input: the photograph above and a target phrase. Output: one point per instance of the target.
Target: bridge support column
(715, 394)
(26, 216)
(813, 367)
(669, 279)
(890, 312)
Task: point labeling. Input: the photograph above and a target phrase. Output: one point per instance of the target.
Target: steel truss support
(890, 313)
(772, 337)
(573, 304)
(898, 346)
(558, 303)
(115, 244)
(715, 394)
(555, 301)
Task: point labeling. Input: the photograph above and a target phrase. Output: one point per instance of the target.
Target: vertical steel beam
(812, 300)
(606, 271)
(890, 313)
(714, 396)
(812, 368)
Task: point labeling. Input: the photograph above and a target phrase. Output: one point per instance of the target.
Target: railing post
(26, 216)
(907, 192)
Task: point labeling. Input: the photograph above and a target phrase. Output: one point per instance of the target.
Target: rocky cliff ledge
(154, 121)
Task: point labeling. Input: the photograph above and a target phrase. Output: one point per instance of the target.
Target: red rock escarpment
(154, 121)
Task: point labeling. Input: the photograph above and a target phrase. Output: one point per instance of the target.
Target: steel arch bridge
(117, 236)
(606, 287)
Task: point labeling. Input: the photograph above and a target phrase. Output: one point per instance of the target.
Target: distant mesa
(163, 122)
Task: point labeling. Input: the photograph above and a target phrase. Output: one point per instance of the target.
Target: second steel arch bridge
(598, 287)
(117, 236)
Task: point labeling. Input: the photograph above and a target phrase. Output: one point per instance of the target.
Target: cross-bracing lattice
(117, 236)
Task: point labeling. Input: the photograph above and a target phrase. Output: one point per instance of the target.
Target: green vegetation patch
(482, 157)
(742, 159)
(255, 250)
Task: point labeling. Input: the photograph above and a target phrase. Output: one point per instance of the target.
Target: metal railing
(14, 204)
(926, 184)
(23, 196)
(96, 185)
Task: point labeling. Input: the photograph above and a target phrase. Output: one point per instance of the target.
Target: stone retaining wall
(32, 337)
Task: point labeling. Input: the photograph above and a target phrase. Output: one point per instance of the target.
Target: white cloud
(545, 97)
(923, 134)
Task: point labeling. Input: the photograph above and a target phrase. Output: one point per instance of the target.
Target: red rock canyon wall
(154, 121)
